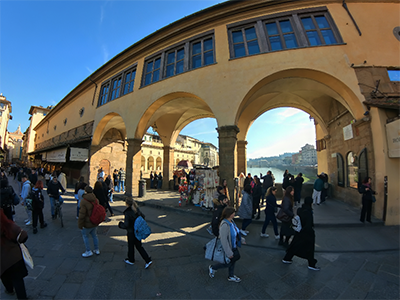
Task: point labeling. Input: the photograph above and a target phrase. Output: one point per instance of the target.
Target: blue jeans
(121, 185)
(245, 223)
(272, 218)
(93, 233)
(52, 204)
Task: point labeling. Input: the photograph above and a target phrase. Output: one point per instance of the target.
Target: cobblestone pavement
(357, 262)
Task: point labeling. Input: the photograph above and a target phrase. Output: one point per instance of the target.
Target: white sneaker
(97, 252)
(28, 223)
(234, 278)
(243, 232)
(211, 271)
(87, 253)
(247, 233)
(264, 235)
(148, 264)
(277, 237)
(26, 220)
(128, 262)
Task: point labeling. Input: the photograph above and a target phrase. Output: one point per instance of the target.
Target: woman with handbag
(230, 240)
(246, 209)
(367, 199)
(270, 210)
(13, 269)
(285, 215)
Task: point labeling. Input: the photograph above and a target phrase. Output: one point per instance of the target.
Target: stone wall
(110, 149)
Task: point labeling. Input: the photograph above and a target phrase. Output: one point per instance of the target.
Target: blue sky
(49, 47)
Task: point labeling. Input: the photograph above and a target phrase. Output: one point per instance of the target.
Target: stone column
(241, 157)
(133, 161)
(168, 166)
(227, 146)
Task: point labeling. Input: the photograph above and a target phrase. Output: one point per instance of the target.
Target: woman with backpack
(303, 243)
(37, 206)
(287, 210)
(131, 213)
(84, 223)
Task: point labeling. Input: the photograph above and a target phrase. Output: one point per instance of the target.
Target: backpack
(142, 230)
(98, 213)
(296, 224)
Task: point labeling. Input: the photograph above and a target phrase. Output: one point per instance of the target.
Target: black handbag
(282, 216)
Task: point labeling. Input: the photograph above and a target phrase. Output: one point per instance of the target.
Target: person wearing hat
(132, 212)
(84, 223)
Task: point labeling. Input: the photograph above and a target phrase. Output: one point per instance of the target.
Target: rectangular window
(394, 75)
(129, 81)
(280, 35)
(152, 71)
(202, 53)
(104, 94)
(245, 42)
(174, 62)
(116, 87)
(318, 30)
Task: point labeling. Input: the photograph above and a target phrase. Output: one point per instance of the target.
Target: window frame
(348, 170)
(187, 47)
(280, 33)
(109, 82)
(340, 170)
(362, 169)
(175, 50)
(330, 21)
(294, 17)
(245, 41)
(153, 60)
(202, 52)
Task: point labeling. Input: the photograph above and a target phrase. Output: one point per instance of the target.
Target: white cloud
(105, 53)
(89, 69)
(289, 112)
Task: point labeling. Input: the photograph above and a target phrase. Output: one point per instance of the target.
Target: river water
(278, 173)
(308, 173)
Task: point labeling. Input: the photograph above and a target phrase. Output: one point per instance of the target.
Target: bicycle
(58, 211)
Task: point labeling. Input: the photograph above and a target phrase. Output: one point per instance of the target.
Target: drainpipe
(95, 90)
(344, 4)
(385, 198)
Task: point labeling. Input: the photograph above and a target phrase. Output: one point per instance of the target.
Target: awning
(79, 154)
(57, 155)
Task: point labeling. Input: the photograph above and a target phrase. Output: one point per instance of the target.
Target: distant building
(5, 116)
(309, 155)
(14, 145)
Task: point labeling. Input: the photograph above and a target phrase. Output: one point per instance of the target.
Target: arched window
(362, 165)
(150, 163)
(352, 170)
(340, 169)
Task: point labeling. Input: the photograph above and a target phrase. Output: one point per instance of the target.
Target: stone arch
(305, 89)
(108, 121)
(158, 164)
(143, 163)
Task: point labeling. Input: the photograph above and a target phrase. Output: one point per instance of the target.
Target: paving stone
(55, 283)
(326, 293)
(68, 291)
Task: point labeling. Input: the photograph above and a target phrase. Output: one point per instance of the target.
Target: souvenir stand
(202, 186)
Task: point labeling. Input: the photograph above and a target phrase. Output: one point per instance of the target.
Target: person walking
(131, 213)
(303, 243)
(53, 190)
(367, 199)
(7, 198)
(62, 179)
(240, 186)
(267, 183)
(85, 225)
(219, 206)
(257, 192)
(159, 182)
(287, 209)
(246, 209)
(26, 189)
(33, 177)
(318, 186)
(121, 180)
(77, 187)
(229, 235)
(101, 194)
(13, 269)
(151, 179)
(110, 186)
(226, 192)
(115, 180)
(270, 210)
(37, 206)
(298, 185)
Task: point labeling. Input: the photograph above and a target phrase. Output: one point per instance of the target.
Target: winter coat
(271, 204)
(287, 207)
(318, 184)
(10, 250)
(85, 211)
(122, 175)
(257, 191)
(226, 238)
(38, 200)
(217, 212)
(303, 244)
(53, 189)
(267, 181)
(366, 195)
(129, 220)
(246, 207)
(101, 196)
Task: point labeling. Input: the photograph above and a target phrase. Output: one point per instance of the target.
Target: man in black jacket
(267, 183)
(217, 212)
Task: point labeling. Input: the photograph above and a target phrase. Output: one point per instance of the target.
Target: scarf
(236, 238)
